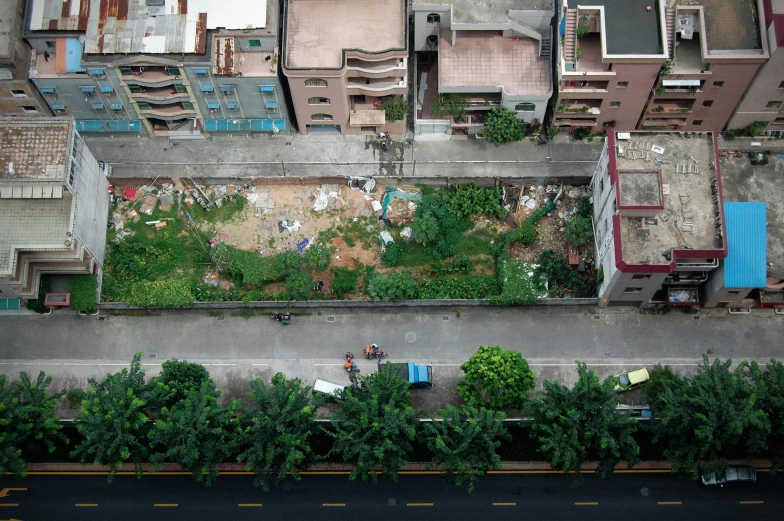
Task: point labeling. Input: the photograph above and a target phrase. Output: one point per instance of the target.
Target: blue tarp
(232, 105)
(199, 71)
(747, 245)
(213, 106)
(101, 125)
(249, 125)
(266, 88)
(46, 90)
(107, 88)
(207, 88)
(73, 55)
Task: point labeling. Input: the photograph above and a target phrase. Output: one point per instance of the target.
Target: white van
(327, 388)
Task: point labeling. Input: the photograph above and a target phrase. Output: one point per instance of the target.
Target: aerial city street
(426, 259)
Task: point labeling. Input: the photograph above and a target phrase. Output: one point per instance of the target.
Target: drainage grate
(221, 317)
(153, 355)
(596, 317)
(101, 318)
(607, 355)
(330, 319)
(445, 319)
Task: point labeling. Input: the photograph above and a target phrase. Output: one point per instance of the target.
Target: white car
(734, 474)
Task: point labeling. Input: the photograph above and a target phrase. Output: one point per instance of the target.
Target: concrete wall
(537, 19)
(92, 200)
(422, 29)
(716, 295)
(764, 88)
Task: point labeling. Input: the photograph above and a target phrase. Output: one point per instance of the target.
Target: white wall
(422, 29)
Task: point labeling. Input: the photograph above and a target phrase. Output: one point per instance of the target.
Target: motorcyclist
(372, 348)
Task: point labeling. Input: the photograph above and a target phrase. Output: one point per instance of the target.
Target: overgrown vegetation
(503, 126)
(751, 130)
(84, 292)
(559, 275)
(450, 104)
(395, 108)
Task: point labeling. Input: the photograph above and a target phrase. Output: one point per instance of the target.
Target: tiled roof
(746, 262)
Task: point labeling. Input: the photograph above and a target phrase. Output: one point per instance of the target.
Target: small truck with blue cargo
(418, 376)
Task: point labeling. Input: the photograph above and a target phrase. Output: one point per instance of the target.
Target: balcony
(670, 93)
(374, 86)
(361, 68)
(579, 108)
(154, 94)
(483, 101)
(697, 265)
(167, 111)
(695, 277)
(584, 87)
(151, 76)
(670, 107)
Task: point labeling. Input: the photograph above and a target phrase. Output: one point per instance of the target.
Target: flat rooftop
(319, 30)
(742, 182)
(33, 223)
(687, 197)
(731, 24)
(488, 59)
(489, 11)
(39, 152)
(146, 26)
(630, 28)
(7, 28)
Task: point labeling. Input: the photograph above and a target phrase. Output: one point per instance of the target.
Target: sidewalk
(225, 157)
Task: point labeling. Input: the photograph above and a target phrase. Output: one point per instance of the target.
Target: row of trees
(720, 413)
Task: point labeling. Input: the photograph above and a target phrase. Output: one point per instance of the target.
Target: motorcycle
(350, 366)
(372, 351)
(284, 318)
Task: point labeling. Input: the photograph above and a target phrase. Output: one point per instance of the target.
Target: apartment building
(343, 59)
(179, 69)
(483, 56)
(664, 64)
(54, 205)
(658, 217)
(764, 98)
(17, 96)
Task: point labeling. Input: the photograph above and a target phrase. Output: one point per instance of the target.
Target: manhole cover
(153, 355)
(391, 502)
(410, 337)
(330, 319)
(445, 318)
(644, 491)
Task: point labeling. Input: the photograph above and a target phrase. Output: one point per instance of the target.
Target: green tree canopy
(578, 230)
(275, 431)
(502, 126)
(497, 378)
(114, 420)
(770, 389)
(701, 420)
(464, 441)
(26, 421)
(573, 425)
(195, 433)
(180, 376)
(375, 427)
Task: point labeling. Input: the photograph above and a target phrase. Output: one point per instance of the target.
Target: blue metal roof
(73, 55)
(747, 244)
(252, 125)
(101, 125)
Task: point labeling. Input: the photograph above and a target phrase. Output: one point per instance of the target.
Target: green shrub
(171, 293)
(74, 398)
(584, 207)
(436, 225)
(84, 292)
(503, 126)
(559, 274)
(395, 108)
(520, 284)
(465, 287)
(253, 268)
(318, 257)
(525, 234)
(299, 285)
(395, 286)
(469, 200)
(578, 230)
(392, 254)
(462, 265)
(344, 281)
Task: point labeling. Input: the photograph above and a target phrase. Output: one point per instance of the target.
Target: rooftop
(146, 26)
(489, 11)
(742, 182)
(731, 25)
(7, 28)
(39, 152)
(686, 197)
(488, 59)
(746, 263)
(366, 25)
(630, 28)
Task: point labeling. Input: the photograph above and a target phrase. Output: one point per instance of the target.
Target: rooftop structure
(7, 29)
(629, 27)
(320, 30)
(146, 26)
(489, 11)
(488, 59)
(33, 153)
(746, 262)
(666, 187)
(731, 25)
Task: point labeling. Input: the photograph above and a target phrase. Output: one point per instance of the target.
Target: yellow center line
(249, 505)
(669, 502)
(167, 504)
(333, 504)
(586, 503)
(86, 505)
(752, 502)
(9, 504)
(504, 504)
(420, 504)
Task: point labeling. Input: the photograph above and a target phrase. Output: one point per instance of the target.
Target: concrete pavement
(224, 157)
(239, 347)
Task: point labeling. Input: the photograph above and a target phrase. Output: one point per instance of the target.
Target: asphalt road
(638, 496)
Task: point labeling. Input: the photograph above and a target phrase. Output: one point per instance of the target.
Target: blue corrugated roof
(252, 125)
(73, 55)
(747, 244)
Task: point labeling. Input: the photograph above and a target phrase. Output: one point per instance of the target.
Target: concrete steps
(570, 38)
(670, 21)
(545, 44)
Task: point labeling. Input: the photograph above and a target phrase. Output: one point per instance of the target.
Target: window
(50, 44)
(697, 122)
(615, 206)
(615, 104)
(321, 117)
(781, 85)
(734, 292)
(313, 82)
(641, 276)
(525, 107)
(718, 83)
(29, 108)
(181, 89)
(254, 43)
(433, 18)
(707, 103)
(622, 84)
(143, 106)
(432, 39)
(632, 291)
(318, 101)
(769, 105)
(18, 93)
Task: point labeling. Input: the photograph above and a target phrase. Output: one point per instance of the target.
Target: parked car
(733, 475)
(630, 380)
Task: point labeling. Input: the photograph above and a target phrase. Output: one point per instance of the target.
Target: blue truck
(418, 376)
